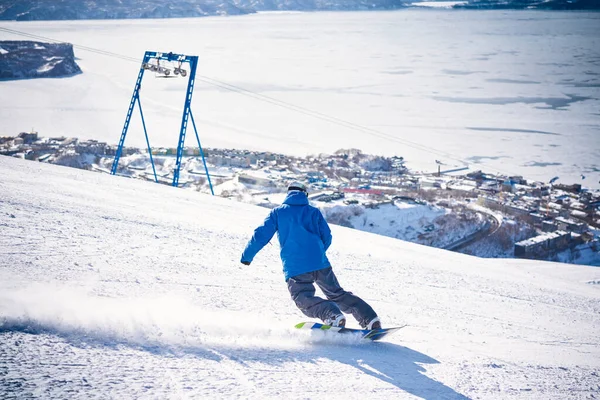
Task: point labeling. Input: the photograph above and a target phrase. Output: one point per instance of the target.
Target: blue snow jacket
(304, 236)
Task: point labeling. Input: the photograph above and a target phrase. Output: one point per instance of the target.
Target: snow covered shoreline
(473, 213)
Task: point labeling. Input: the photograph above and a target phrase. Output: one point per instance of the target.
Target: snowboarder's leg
(348, 302)
(302, 290)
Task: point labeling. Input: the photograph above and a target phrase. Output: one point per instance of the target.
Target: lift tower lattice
(151, 62)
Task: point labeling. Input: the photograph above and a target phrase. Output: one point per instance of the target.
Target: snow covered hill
(31, 10)
(118, 288)
(28, 10)
(530, 4)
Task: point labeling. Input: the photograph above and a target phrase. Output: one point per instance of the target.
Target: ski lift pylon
(148, 64)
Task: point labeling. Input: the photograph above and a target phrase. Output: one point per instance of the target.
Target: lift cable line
(267, 99)
(328, 118)
(86, 48)
(273, 101)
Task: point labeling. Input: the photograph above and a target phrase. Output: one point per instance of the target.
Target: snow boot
(374, 324)
(337, 321)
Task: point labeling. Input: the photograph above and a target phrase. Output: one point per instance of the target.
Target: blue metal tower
(151, 62)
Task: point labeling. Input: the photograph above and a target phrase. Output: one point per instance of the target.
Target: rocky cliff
(26, 59)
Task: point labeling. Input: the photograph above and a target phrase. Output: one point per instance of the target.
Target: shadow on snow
(391, 363)
(394, 364)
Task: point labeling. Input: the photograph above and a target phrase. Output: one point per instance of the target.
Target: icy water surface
(503, 91)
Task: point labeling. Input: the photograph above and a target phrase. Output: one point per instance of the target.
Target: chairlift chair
(160, 71)
(180, 71)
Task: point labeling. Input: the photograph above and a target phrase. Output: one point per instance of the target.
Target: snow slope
(117, 288)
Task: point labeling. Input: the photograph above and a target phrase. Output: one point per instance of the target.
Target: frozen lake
(504, 91)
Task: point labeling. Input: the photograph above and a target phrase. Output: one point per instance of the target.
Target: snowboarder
(304, 237)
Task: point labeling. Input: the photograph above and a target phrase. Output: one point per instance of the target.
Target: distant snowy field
(118, 288)
(504, 91)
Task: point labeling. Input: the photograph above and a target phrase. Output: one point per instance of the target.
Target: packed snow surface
(117, 288)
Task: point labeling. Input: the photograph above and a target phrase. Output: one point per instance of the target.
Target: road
(489, 228)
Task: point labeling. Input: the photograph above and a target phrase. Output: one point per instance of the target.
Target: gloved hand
(246, 262)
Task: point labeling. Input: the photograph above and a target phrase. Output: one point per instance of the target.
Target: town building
(543, 246)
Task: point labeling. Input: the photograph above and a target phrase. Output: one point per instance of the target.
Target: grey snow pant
(302, 289)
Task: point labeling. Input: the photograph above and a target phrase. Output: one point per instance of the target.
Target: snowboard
(374, 334)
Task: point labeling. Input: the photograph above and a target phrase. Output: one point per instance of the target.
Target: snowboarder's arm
(262, 235)
(324, 231)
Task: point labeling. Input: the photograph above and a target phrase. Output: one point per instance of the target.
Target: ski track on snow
(111, 287)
